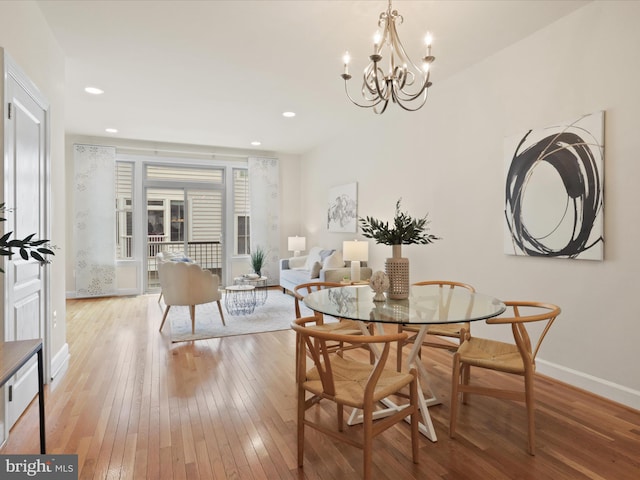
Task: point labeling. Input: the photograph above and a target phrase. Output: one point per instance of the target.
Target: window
(243, 237)
(241, 211)
(177, 220)
(124, 210)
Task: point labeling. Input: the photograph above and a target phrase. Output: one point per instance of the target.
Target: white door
(25, 183)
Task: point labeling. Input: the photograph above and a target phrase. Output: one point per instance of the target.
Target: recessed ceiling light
(94, 90)
(111, 130)
(289, 114)
(255, 143)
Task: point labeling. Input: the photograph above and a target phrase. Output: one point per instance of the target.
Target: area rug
(277, 313)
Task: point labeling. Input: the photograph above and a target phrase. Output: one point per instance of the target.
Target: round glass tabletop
(428, 304)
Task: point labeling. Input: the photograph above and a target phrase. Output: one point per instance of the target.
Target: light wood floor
(133, 405)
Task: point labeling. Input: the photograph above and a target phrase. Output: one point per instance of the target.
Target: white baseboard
(60, 362)
(598, 386)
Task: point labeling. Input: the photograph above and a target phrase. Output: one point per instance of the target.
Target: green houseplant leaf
(258, 259)
(27, 247)
(405, 230)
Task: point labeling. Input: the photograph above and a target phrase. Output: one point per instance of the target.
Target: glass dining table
(426, 305)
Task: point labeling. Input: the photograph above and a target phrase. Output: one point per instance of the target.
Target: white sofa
(320, 265)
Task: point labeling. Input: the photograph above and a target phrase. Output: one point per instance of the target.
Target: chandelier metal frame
(404, 81)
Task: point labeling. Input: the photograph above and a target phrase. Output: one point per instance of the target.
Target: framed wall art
(554, 190)
(343, 207)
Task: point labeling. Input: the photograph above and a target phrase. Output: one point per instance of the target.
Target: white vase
(397, 269)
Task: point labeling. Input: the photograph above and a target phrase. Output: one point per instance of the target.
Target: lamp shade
(295, 244)
(355, 251)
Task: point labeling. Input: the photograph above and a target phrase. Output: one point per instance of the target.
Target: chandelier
(404, 82)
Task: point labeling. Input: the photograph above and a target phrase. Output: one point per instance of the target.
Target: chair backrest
(302, 290)
(188, 284)
(447, 288)
(523, 313)
(446, 283)
(319, 345)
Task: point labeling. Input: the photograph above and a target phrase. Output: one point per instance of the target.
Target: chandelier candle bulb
(427, 41)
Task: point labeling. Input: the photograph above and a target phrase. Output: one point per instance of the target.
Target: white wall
(26, 37)
(447, 160)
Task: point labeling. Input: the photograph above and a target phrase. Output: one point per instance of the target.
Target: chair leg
(413, 398)
(455, 379)
(221, 314)
(192, 312)
(466, 375)
(164, 317)
(530, 401)
(367, 443)
(340, 416)
(301, 410)
(160, 296)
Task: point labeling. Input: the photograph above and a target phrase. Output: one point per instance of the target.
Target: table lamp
(355, 252)
(296, 244)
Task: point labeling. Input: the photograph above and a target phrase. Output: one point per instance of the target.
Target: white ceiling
(221, 73)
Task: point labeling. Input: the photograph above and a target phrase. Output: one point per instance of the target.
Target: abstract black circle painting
(554, 195)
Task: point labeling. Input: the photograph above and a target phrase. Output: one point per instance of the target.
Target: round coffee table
(261, 287)
(240, 299)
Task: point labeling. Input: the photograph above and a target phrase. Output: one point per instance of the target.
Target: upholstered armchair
(188, 284)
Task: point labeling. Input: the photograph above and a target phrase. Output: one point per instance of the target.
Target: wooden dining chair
(343, 326)
(351, 383)
(518, 358)
(447, 330)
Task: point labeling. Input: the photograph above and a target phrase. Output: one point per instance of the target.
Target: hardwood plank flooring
(133, 405)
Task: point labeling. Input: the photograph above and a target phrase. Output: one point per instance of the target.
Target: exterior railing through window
(206, 254)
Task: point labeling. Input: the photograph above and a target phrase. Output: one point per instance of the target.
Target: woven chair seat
(344, 327)
(492, 354)
(445, 329)
(351, 378)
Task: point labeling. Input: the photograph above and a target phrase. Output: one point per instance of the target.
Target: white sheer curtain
(264, 174)
(94, 222)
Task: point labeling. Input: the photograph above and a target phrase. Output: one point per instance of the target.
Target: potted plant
(27, 247)
(258, 259)
(405, 230)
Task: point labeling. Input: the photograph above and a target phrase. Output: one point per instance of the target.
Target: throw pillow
(312, 257)
(334, 260)
(315, 270)
(324, 254)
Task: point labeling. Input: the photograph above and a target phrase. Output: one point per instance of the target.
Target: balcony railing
(206, 254)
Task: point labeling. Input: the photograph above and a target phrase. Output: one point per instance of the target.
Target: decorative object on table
(343, 207)
(554, 190)
(405, 230)
(379, 284)
(404, 81)
(27, 247)
(296, 245)
(258, 258)
(355, 252)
